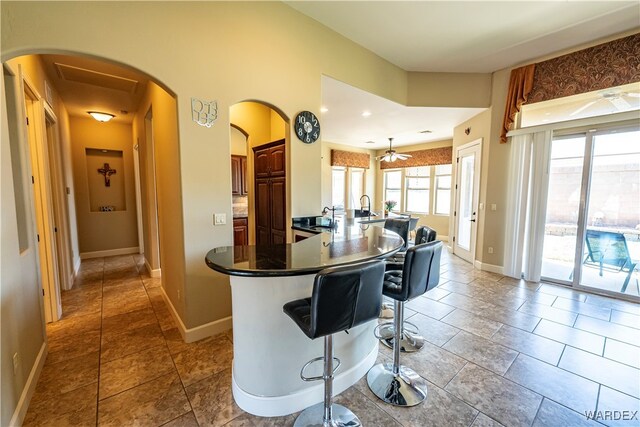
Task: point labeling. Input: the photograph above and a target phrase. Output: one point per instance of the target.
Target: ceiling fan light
(101, 117)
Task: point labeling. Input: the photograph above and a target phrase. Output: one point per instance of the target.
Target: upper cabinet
(270, 161)
(239, 175)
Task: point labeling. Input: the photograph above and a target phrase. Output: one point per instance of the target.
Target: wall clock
(307, 127)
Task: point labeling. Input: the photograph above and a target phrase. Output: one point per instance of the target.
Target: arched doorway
(267, 200)
(80, 214)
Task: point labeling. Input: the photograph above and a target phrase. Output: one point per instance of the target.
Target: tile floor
(499, 352)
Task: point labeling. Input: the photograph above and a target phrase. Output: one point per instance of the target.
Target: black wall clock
(307, 127)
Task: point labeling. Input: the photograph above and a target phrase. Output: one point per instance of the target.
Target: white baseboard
(443, 238)
(110, 252)
(498, 269)
(29, 387)
(152, 272)
(199, 332)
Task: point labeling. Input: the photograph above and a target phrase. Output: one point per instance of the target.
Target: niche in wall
(106, 183)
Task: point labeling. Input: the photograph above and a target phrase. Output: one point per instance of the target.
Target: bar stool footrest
(321, 377)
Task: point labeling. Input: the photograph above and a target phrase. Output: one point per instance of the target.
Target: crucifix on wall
(107, 172)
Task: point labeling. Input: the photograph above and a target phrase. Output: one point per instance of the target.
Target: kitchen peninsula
(269, 350)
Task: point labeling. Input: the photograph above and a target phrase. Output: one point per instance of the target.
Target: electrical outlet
(16, 363)
(179, 296)
(490, 249)
(219, 219)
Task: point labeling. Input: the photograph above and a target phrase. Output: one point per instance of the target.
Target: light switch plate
(493, 206)
(481, 206)
(219, 219)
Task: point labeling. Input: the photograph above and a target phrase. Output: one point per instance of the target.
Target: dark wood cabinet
(270, 193)
(239, 175)
(240, 231)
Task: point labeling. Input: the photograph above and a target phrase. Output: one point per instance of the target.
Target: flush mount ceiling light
(101, 117)
(366, 113)
(323, 109)
(391, 156)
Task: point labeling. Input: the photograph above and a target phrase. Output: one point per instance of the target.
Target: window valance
(599, 67)
(350, 159)
(430, 157)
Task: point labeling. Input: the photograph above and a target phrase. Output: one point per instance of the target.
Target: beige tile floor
(498, 352)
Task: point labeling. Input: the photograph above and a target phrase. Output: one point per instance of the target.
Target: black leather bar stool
(394, 383)
(425, 234)
(343, 297)
(411, 338)
(400, 226)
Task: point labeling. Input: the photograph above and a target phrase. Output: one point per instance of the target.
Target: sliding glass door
(592, 229)
(563, 204)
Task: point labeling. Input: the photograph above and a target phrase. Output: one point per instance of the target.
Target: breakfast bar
(269, 350)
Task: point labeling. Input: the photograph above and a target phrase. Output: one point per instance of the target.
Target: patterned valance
(599, 67)
(350, 159)
(430, 157)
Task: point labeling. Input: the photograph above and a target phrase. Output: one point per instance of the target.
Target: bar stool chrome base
(411, 340)
(313, 417)
(406, 388)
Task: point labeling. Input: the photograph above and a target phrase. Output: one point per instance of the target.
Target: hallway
(497, 352)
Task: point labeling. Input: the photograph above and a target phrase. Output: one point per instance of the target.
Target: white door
(467, 188)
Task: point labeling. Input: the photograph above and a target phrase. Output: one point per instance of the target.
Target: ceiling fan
(620, 100)
(391, 156)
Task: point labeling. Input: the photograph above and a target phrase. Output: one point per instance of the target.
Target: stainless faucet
(333, 213)
(368, 206)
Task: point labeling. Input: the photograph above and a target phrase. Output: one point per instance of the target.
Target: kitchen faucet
(333, 213)
(368, 205)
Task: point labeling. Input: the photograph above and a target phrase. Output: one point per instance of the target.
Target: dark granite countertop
(345, 244)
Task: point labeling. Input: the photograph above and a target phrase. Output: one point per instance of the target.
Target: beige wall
(33, 71)
(238, 142)
(440, 223)
(101, 231)
(21, 315)
(463, 90)
(162, 205)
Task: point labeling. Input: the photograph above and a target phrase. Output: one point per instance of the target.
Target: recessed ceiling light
(323, 109)
(366, 113)
(425, 131)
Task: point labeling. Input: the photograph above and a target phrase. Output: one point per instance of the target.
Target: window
(417, 182)
(356, 179)
(338, 186)
(393, 187)
(411, 188)
(443, 190)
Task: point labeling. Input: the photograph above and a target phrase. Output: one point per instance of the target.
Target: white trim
(598, 120)
(199, 332)
(29, 387)
(263, 406)
(109, 252)
(76, 267)
(151, 271)
(498, 269)
(443, 238)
